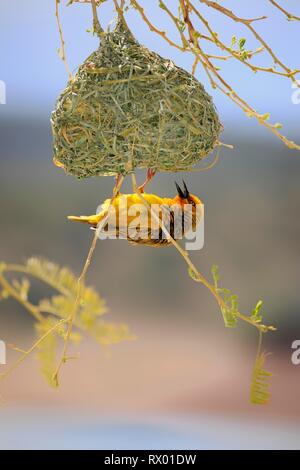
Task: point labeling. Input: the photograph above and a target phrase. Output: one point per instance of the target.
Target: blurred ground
(56, 428)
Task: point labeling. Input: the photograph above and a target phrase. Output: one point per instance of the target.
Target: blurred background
(184, 383)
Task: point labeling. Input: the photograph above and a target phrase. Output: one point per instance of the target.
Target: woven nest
(128, 108)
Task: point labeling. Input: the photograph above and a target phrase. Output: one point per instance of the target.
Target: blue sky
(35, 75)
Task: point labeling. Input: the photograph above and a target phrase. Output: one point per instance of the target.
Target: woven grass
(128, 108)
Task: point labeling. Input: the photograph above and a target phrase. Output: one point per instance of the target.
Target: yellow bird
(129, 216)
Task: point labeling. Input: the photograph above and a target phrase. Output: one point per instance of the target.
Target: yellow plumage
(129, 208)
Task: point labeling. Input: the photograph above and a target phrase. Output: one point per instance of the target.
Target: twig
(120, 10)
(226, 89)
(33, 348)
(248, 24)
(237, 55)
(36, 311)
(62, 41)
(96, 23)
(217, 81)
(32, 309)
(289, 15)
(80, 283)
(153, 28)
(222, 305)
(191, 265)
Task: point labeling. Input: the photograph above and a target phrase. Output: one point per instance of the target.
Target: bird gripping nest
(129, 108)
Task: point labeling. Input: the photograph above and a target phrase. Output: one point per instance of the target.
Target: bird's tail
(90, 219)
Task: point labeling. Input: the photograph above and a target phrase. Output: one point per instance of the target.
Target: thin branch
(16, 268)
(200, 278)
(32, 309)
(238, 55)
(289, 15)
(80, 284)
(223, 86)
(62, 41)
(191, 265)
(191, 44)
(96, 23)
(152, 28)
(248, 24)
(230, 13)
(32, 348)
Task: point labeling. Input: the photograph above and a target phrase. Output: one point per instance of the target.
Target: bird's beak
(182, 194)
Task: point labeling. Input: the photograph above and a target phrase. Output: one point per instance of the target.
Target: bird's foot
(150, 175)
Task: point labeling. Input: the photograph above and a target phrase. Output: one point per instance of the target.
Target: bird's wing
(177, 219)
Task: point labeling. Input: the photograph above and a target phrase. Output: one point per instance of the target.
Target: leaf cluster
(50, 312)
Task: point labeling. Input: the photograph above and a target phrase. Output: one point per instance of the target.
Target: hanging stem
(289, 15)
(37, 311)
(200, 278)
(80, 284)
(33, 347)
(120, 11)
(62, 41)
(96, 23)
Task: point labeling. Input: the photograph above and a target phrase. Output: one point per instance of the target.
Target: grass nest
(129, 108)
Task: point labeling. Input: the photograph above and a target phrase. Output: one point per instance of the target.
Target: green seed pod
(129, 108)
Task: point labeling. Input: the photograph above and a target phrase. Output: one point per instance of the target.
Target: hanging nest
(128, 108)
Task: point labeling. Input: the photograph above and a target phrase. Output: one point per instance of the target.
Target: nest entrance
(128, 108)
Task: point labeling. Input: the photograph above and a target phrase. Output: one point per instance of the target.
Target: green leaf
(87, 318)
(245, 55)
(234, 303)
(226, 293)
(242, 43)
(111, 333)
(265, 117)
(259, 392)
(22, 287)
(193, 275)
(230, 319)
(61, 279)
(215, 274)
(255, 314)
(47, 350)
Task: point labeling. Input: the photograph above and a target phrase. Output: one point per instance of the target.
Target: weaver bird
(140, 218)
